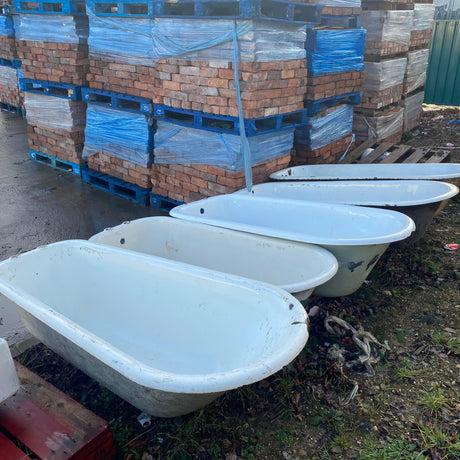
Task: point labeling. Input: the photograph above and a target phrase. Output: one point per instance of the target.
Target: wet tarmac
(41, 205)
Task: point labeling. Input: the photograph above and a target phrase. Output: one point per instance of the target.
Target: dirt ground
(399, 399)
(439, 127)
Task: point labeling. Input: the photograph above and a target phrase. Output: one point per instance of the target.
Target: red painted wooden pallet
(50, 424)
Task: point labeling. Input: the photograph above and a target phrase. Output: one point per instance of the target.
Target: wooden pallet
(396, 153)
(41, 419)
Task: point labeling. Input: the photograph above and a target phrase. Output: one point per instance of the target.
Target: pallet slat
(438, 156)
(355, 154)
(395, 154)
(417, 155)
(376, 153)
(51, 424)
(9, 450)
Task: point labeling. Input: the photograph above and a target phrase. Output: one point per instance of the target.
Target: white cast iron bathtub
(380, 171)
(295, 267)
(419, 199)
(357, 236)
(167, 337)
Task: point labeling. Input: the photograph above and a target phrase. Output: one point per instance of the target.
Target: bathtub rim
(147, 375)
(371, 170)
(292, 288)
(450, 191)
(406, 222)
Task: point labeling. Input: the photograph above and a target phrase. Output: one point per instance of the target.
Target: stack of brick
(383, 83)
(335, 75)
(119, 136)
(188, 64)
(56, 119)
(7, 34)
(382, 125)
(340, 13)
(52, 45)
(417, 64)
(325, 137)
(11, 96)
(388, 24)
(190, 182)
(388, 31)
(415, 76)
(412, 106)
(422, 26)
(334, 62)
(202, 150)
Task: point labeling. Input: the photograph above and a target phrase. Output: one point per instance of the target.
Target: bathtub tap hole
(122, 241)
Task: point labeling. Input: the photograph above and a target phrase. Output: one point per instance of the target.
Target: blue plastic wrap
(211, 40)
(145, 41)
(52, 28)
(6, 25)
(121, 39)
(331, 51)
(125, 135)
(20, 75)
(321, 131)
(180, 145)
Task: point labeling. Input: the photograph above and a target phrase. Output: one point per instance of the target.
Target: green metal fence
(443, 75)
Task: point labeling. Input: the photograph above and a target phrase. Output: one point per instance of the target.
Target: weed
(433, 398)
(406, 371)
(398, 449)
(406, 136)
(450, 344)
(376, 405)
(284, 436)
(252, 449)
(121, 432)
(402, 335)
(106, 398)
(341, 441)
(443, 444)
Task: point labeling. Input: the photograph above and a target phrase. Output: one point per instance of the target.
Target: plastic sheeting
(413, 106)
(9, 77)
(6, 25)
(121, 39)
(125, 135)
(340, 3)
(176, 144)
(330, 51)
(145, 41)
(54, 112)
(388, 26)
(378, 127)
(423, 16)
(382, 75)
(417, 63)
(319, 132)
(52, 28)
